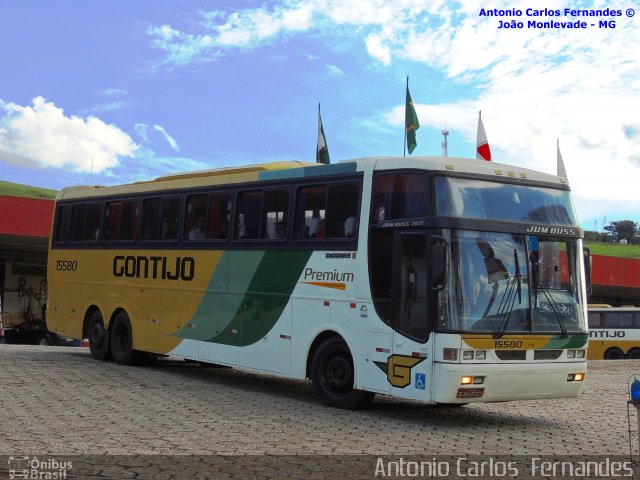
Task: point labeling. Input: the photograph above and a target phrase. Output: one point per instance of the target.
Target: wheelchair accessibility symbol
(421, 380)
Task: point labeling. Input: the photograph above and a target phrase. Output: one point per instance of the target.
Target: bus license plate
(470, 392)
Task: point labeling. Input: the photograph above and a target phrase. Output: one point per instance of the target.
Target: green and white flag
(322, 151)
(411, 123)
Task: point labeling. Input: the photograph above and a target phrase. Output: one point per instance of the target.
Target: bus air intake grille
(511, 354)
(547, 354)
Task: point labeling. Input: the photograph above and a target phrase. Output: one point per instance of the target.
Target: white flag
(562, 172)
(482, 145)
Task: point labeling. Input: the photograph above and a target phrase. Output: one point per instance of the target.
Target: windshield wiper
(509, 298)
(554, 306)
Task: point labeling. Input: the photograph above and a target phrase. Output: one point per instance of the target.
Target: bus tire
(634, 354)
(122, 342)
(613, 354)
(99, 344)
(332, 374)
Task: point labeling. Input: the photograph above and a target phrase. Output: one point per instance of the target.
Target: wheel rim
(43, 341)
(338, 374)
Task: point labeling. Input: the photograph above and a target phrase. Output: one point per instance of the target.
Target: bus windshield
(512, 283)
(480, 199)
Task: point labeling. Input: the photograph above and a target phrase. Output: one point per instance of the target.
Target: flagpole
(404, 141)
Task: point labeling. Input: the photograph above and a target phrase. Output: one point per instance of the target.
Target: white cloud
(333, 71)
(170, 140)
(41, 135)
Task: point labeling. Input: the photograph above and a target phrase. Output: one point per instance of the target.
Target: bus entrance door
(410, 362)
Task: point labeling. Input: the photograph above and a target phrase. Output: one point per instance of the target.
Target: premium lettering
(335, 276)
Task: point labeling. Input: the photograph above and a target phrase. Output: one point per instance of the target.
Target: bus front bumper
(506, 381)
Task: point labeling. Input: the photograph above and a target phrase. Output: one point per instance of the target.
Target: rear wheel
(614, 354)
(332, 374)
(98, 337)
(634, 354)
(122, 342)
(44, 341)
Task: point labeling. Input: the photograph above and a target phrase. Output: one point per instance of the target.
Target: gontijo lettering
(182, 268)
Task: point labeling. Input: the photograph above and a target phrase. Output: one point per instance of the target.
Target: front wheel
(98, 338)
(122, 342)
(332, 374)
(44, 341)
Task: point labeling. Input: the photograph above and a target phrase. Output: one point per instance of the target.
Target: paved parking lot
(59, 401)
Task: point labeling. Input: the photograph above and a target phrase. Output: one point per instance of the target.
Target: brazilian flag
(411, 123)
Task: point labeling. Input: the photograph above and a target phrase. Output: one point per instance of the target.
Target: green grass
(19, 190)
(615, 250)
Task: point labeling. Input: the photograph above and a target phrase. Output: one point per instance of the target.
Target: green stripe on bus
(573, 341)
(260, 285)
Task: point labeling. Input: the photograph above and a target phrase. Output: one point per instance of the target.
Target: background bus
(614, 333)
(440, 280)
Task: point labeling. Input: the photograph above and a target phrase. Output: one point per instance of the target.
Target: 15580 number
(67, 265)
(508, 344)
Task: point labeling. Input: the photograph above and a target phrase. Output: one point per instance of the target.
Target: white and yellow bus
(614, 333)
(440, 280)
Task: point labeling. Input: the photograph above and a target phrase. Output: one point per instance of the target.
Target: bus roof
(298, 169)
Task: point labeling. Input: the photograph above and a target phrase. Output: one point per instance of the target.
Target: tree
(591, 236)
(624, 229)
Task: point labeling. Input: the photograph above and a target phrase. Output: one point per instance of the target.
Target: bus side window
(195, 219)
(611, 319)
(111, 221)
(150, 219)
(128, 220)
(219, 216)
(275, 214)
(62, 223)
(311, 212)
(92, 222)
(343, 202)
(626, 319)
(248, 219)
(170, 216)
(595, 319)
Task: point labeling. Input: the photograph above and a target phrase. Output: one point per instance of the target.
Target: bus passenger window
(85, 222)
(311, 212)
(595, 319)
(275, 214)
(150, 219)
(219, 216)
(170, 216)
(248, 220)
(62, 217)
(128, 220)
(343, 202)
(195, 223)
(111, 221)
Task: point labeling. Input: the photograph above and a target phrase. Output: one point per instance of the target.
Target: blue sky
(119, 91)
